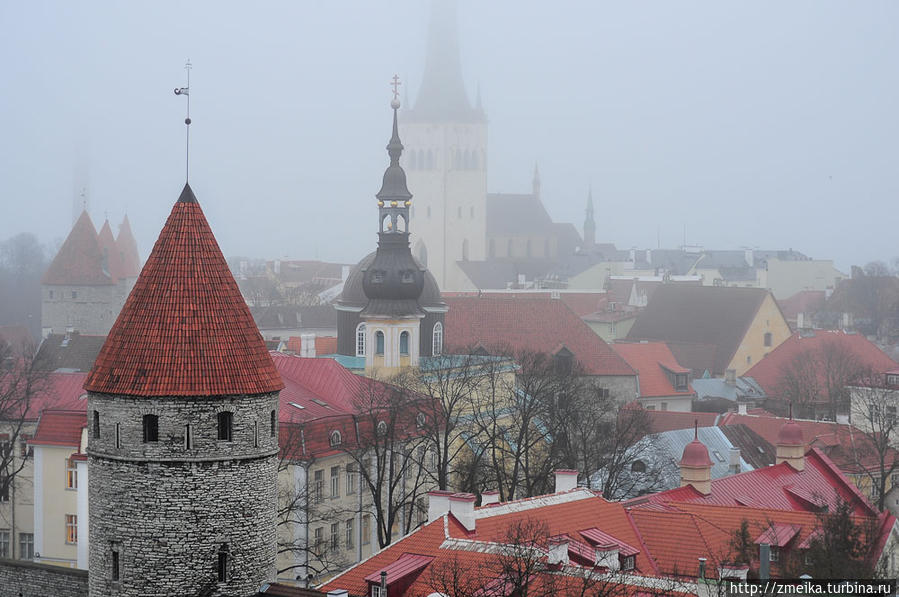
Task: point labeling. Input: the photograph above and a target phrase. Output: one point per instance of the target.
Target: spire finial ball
(395, 103)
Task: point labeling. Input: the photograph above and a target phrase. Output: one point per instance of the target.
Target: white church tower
(446, 158)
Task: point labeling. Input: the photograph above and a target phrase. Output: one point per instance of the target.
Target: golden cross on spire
(396, 85)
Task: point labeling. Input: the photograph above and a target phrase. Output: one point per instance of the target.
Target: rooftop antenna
(186, 92)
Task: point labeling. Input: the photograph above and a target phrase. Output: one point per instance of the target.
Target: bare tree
(390, 454)
(22, 263)
(301, 508)
(874, 438)
(817, 380)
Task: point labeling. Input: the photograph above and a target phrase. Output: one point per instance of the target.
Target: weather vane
(396, 93)
(186, 92)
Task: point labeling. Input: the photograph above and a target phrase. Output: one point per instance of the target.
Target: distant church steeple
(535, 184)
(442, 94)
(589, 223)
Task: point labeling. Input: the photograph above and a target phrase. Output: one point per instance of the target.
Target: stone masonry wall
(169, 509)
(26, 579)
(93, 309)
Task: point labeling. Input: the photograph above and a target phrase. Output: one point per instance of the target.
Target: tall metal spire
(394, 192)
(185, 91)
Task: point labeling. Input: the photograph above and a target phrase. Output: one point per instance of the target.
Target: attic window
(335, 438)
(627, 562)
(382, 428)
(319, 402)
(717, 455)
(295, 405)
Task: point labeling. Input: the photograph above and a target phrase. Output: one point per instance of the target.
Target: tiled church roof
(185, 329)
(79, 261)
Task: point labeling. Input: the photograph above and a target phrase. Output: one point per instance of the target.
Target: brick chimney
(461, 505)
(607, 557)
(489, 497)
(558, 550)
(566, 479)
(438, 503)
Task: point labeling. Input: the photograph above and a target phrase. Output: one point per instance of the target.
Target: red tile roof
(660, 421)
(769, 371)
(650, 360)
(112, 258)
(185, 330)
(79, 261)
(128, 255)
(324, 345)
(406, 564)
(537, 324)
(60, 428)
(48, 391)
(774, 487)
(804, 301)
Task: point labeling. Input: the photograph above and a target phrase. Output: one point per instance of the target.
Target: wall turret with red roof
(696, 466)
(183, 434)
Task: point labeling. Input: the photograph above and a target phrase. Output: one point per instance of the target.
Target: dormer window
(627, 562)
(408, 276)
(893, 379)
(335, 439)
(377, 276)
(680, 382)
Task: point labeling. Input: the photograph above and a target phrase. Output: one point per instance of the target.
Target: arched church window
(385, 224)
(423, 250)
(400, 223)
(437, 339)
(404, 343)
(379, 342)
(360, 340)
(465, 250)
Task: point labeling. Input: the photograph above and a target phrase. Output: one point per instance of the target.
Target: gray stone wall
(169, 509)
(28, 579)
(90, 310)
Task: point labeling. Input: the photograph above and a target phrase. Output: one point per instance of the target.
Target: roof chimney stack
(461, 505)
(438, 503)
(558, 550)
(489, 497)
(733, 464)
(566, 479)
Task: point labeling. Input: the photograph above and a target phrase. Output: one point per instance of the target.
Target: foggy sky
(767, 124)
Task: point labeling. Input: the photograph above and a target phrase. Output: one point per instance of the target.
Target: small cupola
(790, 444)
(695, 465)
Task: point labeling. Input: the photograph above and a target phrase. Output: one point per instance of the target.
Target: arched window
(420, 420)
(151, 428)
(638, 466)
(225, 421)
(437, 339)
(423, 250)
(404, 343)
(360, 340)
(400, 223)
(382, 428)
(386, 224)
(465, 250)
(379, 342)
(335, 439)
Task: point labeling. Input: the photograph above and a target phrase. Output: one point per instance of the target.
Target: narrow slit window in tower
(225, 419)
(151, 428)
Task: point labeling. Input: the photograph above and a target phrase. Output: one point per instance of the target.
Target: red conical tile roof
(128, 255)
(111, 258)
(185, 329)
(79, 261)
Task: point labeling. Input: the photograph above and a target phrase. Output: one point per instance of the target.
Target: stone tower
(446, 158)
(182, 430)
(390, 310)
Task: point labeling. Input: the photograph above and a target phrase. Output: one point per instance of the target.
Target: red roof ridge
(185, 329)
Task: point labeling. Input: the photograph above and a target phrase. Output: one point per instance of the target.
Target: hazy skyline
(764, 124)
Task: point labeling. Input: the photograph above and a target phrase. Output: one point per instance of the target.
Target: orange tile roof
(650, 360)
(60, 428)
(79, 261)
(185, 329)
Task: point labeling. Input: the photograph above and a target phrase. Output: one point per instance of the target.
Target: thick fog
(766, 124)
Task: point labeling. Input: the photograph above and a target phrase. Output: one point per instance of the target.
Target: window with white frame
(360, 340)
(350, 534)
(71, 474)
(26, 546)
(437, 339)
(318, 537)
(351, 479)
(4, 543)
(404, 344)
(318, 485)
(71, 528)
(335, 439)
(335, 481)
(335, 536)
